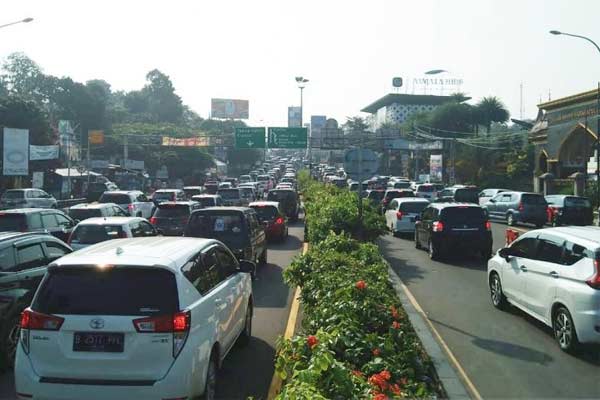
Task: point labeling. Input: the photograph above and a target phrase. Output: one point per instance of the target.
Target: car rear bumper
(587, 325)
(450, 242)
(404, 225)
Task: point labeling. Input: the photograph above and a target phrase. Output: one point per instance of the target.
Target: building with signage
(563, 137)
(395, 108)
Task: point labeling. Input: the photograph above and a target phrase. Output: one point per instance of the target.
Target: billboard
(43, 152)
(435, 167)
(199, 141)
(294, 117)
(229, 109)
(317, 123)
(16, 152)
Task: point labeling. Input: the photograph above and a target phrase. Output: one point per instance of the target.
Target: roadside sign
(369, 163)
(288, 138)
(249, 138)
(96, 137)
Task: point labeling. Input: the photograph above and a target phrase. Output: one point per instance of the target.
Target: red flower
(394, 311)
(396, 325)
(376, 352)
(361, 285)
(312, 341)
(357, 373)
(385, 374)
(379, 396)
(395, 389)
(378, 381)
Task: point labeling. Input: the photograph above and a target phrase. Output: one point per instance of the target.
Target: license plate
(98, 342)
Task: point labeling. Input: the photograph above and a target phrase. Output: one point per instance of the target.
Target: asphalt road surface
(247, 371)
(505, 354)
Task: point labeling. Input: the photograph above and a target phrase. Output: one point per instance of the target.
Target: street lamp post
(23, 21)
(597, 149)
(301, 81)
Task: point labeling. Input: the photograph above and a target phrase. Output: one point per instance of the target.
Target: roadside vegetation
(356, 341)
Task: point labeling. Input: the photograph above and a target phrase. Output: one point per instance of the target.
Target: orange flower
(394, 311)
(396, 325)
(361, 285)
(376, 352)
(385, 374)
(312, 341)
(395, 389)
(378, 381)
(379, 396)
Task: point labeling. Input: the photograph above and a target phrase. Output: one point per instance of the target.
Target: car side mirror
(247, 267)
(505, 253)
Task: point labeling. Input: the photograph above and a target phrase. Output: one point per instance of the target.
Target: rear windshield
(114, 291)
(84, 213)
(413, 207)
(376, 195)
(463, 215)
(533, 199)
(92, 234)
(12, 222)
(265, 213)
(192, 192)
(426, 189)
(279, 195)
(467, 195)
(393, 195)
(217, 224)
(229, 193)
(172, 211)
(262, 178)
(13, 194)
(402, 185)
(206, 201)
(164, 196)
(246, 192)
(116, 198)
(577, 202)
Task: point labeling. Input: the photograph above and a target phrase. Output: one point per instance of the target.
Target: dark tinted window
(172, 211)
(49, 221)
(425, 188)
(12, 222)
(216, 224)
(30, 256)
(376, 195)
(466, 195)
(525, 248)
(402, 185)
(7, 258)
(392, 195)
(537, 199)
(265, 213)
(91, 234)
(55, 250)
(573, 253)
(163, 196)
(116, 198)
(413, 207)
(210, 275)
(227, 263)
(13, 195)
(282, 195)
(462, 215)
(228, 194)
(112, 291)
(577, 202)
(550, 250)
(35, 221)
(82, 213)
(63, 220)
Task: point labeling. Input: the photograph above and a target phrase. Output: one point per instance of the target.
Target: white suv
(145, 318)
(554, 275)
(136, 203)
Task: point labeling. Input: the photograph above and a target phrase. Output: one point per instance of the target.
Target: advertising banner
(16, 152)
(43, 152)
(96, 137)
(186, 142)
(229, 109)
(435, 167)
(294, 117)
(134, 164)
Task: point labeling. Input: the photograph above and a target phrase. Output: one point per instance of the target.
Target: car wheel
(496, 293)
(10, 333)
(210, 385)
(246, 334)
(510, 220)
(263, 258)
(434, 252)
(417, 243)
(564, 330)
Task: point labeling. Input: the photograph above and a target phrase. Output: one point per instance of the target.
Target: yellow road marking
(276, 382)
(459, 368)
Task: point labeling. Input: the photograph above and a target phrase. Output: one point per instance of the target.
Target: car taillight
(279, 221)
(594, 281)
(488, 226)
(399, 215)
(31, 320)
(438, 226)
(153, 220)
(130, 207)
(521, 208)
(178, 324)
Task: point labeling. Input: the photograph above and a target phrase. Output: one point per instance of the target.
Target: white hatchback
(554, 275)
(401, 213)
(146, 318)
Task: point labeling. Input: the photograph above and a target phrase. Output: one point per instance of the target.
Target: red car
(271, 216)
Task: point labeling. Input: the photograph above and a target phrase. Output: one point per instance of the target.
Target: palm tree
(491, 109)
(459, 97)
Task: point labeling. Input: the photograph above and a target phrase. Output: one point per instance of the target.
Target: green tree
(452, 116)
(22, 77)
(23, 114)
(163, 103)
(490, 109)
(355, 124)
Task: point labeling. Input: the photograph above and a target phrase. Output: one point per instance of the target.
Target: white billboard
(16, 152)
(435, 167)
(43, 152)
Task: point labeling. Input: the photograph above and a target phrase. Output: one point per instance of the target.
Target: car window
(393, 205)
(506, 198)
(549, 249)
(524, 248)
(412, 207)
(84, 213)
(55, 250)
(30, 256)
(147, 229)
(136, 229)
(536, 199)
(227, 263)
(192, 270)
(63, 221)
(49, 221)
(92, 234)
(577, 202)
(118, 212)
(117, 198)
(7, 258)
(573, 253)
(209, 274)
(142, 198)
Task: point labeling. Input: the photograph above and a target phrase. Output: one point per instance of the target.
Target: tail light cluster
(32, 320)
(130, 208)
(399, 215)
(279, 221)
(594, 280)
(488, 226)
(178, 324)
(438, 226)
(521, 207)
(153, 220)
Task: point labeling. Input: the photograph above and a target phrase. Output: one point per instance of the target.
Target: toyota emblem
(97, 323)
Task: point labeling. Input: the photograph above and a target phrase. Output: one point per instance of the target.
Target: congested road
(247, 372)
(504, 354)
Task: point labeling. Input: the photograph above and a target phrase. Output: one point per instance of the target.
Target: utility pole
(360, 205)
(125, 150)
(88, 162)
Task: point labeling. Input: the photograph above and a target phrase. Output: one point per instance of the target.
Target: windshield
(92, 234)
(463, 215)
(229, 194)
(425, 188)
(205, 201)
(172, 211)
(12, 222)
(216, 225)
(84, 213)
(467, 195)
(281, 195)
(189, 192)
(163, 196)
(13, 195)
(263, 178)
(413, 207)
(116, 198)
(376, 195)
(265, 213)
(112, 291)
(533, 199)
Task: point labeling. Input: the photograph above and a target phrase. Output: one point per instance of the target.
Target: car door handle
(523, 268)
(554, 274)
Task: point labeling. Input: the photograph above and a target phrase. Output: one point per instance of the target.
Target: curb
(455, 387)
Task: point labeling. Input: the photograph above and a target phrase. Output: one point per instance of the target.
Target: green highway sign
(249, 138)
(287, 138)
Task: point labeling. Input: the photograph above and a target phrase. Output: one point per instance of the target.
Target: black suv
(23, 260)
(569, 210)
(237, 227)
(288, 201)
(55, 222)
(468, 194)
(171, 217)
(453, 227)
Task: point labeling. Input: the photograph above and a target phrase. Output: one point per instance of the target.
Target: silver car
(26, 198)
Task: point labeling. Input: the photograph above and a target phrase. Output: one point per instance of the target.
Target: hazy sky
(350, 50)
